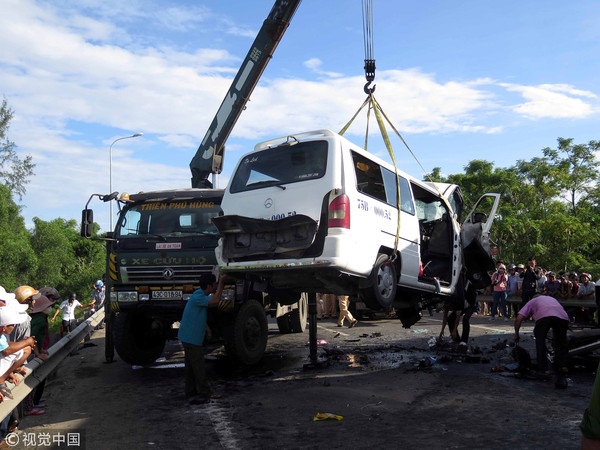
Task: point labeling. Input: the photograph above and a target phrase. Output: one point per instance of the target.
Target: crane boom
(209, 157)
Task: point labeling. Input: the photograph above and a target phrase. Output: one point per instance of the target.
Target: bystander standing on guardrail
(98, 296)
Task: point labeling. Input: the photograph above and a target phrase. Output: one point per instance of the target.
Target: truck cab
(162, 243)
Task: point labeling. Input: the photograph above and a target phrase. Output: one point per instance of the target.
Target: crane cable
(372, 103)
(367, 16)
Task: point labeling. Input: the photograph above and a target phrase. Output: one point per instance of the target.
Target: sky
(460, 81)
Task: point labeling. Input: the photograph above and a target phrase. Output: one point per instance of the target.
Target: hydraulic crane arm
(209, 157)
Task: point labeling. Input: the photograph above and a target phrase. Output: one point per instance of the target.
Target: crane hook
(369, 75)
(369, 90)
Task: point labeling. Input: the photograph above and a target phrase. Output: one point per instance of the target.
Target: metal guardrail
(569, 302)
(38, 370)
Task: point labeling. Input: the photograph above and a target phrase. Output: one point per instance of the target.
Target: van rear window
(281, 165)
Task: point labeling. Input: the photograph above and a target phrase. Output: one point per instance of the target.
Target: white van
(314, 212)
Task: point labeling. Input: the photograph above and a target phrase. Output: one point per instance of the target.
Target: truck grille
(163, 274)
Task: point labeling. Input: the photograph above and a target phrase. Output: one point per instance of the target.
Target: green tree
(14, 171)
(17, 258)
(67, 261)
(435, 175)
(576, 167)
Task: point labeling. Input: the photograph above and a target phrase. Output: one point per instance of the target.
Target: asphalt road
(391, 389)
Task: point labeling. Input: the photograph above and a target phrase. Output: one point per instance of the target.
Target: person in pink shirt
(548, 315)
(500, 293)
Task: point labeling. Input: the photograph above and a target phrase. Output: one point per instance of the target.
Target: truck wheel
(138, 340)
(383, 281)
(299, 316)
(109, 344)
(283, 323)
(247, 338)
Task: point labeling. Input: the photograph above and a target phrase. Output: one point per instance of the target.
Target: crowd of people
(24, 335)
(524, 281)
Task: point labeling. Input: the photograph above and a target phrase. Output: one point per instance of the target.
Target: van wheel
(246, 340)
(299, 316)
(383, 284)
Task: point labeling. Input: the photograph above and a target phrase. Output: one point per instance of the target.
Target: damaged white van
(314, 212)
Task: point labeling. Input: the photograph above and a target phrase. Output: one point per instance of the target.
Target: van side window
(406, 201)
(368, 177)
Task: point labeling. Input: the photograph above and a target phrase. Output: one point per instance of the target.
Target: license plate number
(167, 295)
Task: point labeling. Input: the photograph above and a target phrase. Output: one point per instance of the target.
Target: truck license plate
(167, 295)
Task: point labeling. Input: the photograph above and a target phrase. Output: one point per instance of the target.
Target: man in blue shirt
(191, 334)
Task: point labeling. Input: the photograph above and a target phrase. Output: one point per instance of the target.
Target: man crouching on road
(191, 334)
(548, 314)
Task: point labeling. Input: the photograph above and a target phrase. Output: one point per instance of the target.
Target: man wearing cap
(98, 296)
(551, 285)
(587, 288)
(68, 312)
(26, 295)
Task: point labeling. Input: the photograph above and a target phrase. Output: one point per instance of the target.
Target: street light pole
(110, 172)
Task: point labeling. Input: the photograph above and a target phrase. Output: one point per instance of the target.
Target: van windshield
(281, 165)
(169, 218)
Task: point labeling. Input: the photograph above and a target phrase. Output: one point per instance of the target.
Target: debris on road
(327, 416)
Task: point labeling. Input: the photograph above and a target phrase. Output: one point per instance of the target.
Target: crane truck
(164, 240)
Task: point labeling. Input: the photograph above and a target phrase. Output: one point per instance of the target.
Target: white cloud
(553, 101)
(315, 64)
(179, 140)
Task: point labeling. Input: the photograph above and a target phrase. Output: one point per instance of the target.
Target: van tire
(299, 316)
(246, 339)
(383, 283)
(283, 323)
(136, 340)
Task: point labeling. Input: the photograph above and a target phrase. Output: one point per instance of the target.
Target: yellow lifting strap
(422, 168)
(372, 103)
(375, 106)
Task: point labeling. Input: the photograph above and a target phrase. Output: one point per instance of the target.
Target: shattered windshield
(281, 165)
(175, 218)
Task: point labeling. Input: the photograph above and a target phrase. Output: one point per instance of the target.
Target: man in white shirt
(68, 312)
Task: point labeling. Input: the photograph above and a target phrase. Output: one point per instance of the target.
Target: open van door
(475, 237)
